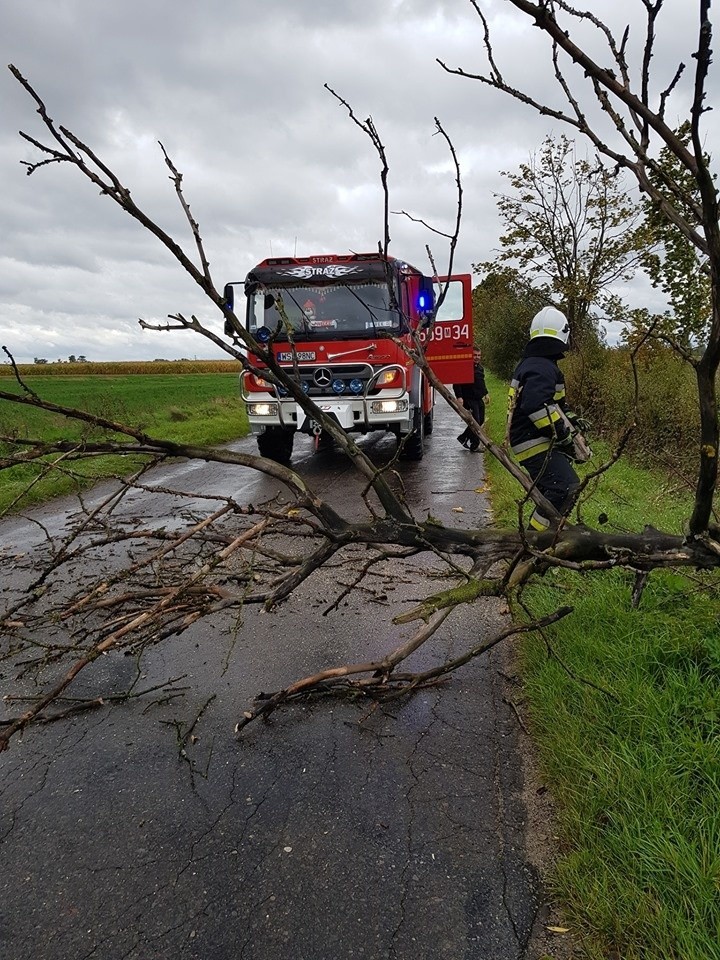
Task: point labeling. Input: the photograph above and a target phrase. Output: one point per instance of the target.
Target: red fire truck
(336, 323)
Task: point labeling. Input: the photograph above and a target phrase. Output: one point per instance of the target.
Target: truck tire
(429, 417)
(415, 444)
(276, 444)
(325, 442)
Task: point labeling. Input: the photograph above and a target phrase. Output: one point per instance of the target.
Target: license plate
(301, 355)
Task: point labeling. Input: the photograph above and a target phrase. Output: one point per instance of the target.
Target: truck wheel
(325, 442)
(429, 417)
(415, 444)
(276, 444)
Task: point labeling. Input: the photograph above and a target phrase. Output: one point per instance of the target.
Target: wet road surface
(328, 832)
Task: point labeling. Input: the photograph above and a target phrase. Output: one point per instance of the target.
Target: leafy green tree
(570, 225)
(675, 265)
(503, 306)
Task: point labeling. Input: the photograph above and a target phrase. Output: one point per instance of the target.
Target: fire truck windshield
(343, 310)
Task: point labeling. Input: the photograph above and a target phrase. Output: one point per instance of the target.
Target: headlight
(388, 406)
(386, 377)
(262, 409)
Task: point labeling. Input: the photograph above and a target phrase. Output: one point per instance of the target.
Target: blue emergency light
(425, 296)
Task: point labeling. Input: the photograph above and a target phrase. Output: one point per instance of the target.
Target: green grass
(636, 775)
(189, 408)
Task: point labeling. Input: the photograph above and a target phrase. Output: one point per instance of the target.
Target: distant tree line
(71, 359)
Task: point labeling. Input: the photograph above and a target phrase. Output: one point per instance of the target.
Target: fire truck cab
(337, 324)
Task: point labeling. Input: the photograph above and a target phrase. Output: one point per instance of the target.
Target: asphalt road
(325, 833)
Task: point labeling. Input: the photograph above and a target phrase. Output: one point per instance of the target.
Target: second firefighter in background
(541, 438)
(473, 396)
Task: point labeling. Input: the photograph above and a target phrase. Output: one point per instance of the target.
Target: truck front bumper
(353, 415)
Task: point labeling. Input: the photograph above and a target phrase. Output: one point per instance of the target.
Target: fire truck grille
(318, 379)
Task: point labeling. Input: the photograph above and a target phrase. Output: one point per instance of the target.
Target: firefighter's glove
(582, 425)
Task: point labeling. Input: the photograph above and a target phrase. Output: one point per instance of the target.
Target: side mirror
(229, 298)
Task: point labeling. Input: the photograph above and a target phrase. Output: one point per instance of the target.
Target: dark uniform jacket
(537, 395)
(474, 391)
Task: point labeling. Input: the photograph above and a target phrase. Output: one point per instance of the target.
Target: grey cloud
(271, 162)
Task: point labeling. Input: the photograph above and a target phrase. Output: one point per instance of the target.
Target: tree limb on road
(259, 554)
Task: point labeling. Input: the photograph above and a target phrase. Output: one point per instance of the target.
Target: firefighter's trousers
(556, 480)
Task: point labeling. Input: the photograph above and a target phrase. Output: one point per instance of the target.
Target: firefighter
(473, 397)
(540, 438)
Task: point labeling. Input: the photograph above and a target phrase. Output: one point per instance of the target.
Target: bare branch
(368, 127)
(177, 181)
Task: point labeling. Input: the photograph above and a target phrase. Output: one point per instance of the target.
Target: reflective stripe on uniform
(529, 448)
(538, 522)
(545, 416)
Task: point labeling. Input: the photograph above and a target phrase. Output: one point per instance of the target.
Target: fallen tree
(258, 554)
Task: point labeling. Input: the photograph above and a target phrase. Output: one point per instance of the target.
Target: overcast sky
(272, 164)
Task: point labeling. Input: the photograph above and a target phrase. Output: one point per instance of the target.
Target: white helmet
(550, 322)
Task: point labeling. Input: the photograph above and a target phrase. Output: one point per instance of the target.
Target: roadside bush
(601, 385)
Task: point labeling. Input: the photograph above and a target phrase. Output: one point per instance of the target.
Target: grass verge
(190, 408)
(636, 774)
